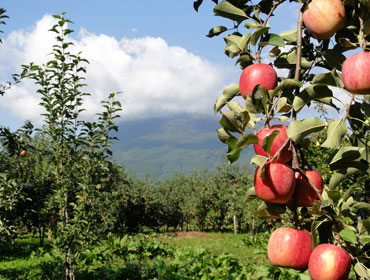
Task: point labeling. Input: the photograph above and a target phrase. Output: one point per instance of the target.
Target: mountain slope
(159, 147)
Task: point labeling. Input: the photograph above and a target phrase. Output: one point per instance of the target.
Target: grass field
(181, 255)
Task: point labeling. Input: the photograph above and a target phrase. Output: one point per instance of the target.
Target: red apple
(286, 154)
(289, 247)
(277, 185)
(23, 153)
(324, 17)
(355, 73)
(257, 74)
(304, 194)
(329, 262)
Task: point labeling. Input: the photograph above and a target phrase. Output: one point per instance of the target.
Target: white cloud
(155, 78)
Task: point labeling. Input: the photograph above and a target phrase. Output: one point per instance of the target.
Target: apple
(277, 185)
(355, 71)
(286, 154)
(289, 247)
(323, 18)
(23, 153)
(329, 262)
(257, 74)
(304, 194)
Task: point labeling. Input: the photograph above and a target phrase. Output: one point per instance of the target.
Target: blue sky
(155, 52)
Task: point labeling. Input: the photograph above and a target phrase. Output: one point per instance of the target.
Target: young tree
(80, 152)
(319, 71)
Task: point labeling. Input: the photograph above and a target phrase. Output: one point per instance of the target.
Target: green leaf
(230, 123)
(215, 31)
(233, 152)
(315, 92)
(336, 130)
(334, 59)
(259, 160)
(247, 139)
(223, 135)
(250, 194)
(274, 52)
(289, 60)
(250, 25)
(228, 94)
(267, 141)
(257, 34)
(271, 210)
(362, 270)
(348, 156)
(348, 235)
(227, 10)
(297, 130)
(332, 78)
(273, 40)
(282, 106)
(289, 36)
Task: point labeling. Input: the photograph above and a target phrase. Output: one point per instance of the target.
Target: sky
(154, 52)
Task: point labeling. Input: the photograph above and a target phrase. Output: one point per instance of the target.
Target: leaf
(271, 210)
(233, 152)
(362, 270)
(297, 130)
(250, 194)
(289, 60)
(332, 78)
(230, 123)
(282, 106)
(259, 160)
(250, 25)
(273, 40)
(223, 135)
(348, 156)
(267, 141)
(196, 4)
(215, 31)
(314, 92)
(228, 94)
(336, 130)
(348, 235)
(227, 10)
(274, 52)
(257, 34)
(247, 139)
(289, 36)
(334, 59)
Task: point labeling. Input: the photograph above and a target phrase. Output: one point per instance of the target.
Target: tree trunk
(235, 219)
(253, 226)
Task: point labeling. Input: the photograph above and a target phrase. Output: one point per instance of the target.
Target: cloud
(155, 78)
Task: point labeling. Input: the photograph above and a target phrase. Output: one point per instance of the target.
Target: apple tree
(323, 63)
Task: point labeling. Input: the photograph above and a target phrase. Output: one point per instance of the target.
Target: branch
(299, 51)
(274, 6)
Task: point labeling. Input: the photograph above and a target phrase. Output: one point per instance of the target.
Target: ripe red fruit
(304, 194)
(355, 73)
(280, 139)
(329, 262)
(278, 183)
(257, 74)
(23, 153)
(324, 17)
(290, 247)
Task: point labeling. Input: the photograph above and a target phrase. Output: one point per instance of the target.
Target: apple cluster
(292, 248)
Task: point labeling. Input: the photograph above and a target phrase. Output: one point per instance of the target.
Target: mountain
(159, 147)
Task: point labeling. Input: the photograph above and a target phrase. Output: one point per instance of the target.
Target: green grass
(240, 246)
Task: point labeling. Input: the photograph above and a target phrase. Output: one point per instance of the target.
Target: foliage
(339, 147)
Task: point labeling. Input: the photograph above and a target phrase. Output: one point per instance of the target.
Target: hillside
(159, 147)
